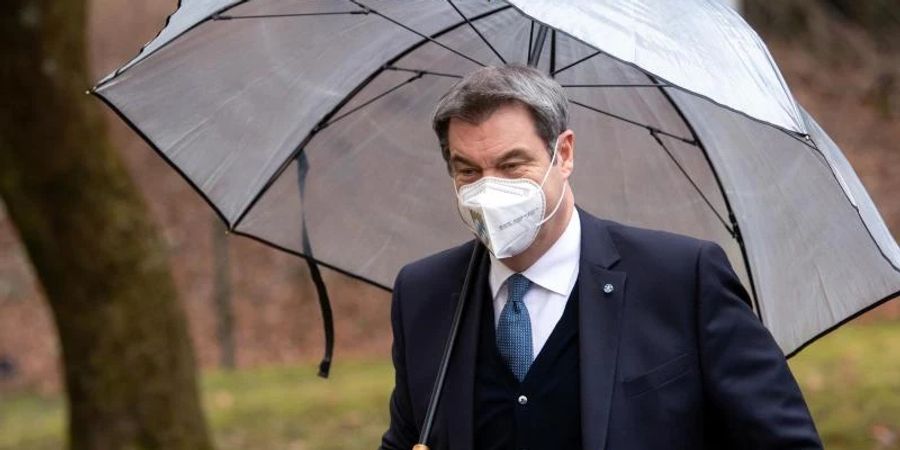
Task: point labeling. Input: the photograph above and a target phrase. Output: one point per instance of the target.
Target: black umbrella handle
(438, 388)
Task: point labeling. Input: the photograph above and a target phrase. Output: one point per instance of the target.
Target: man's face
(507, 145)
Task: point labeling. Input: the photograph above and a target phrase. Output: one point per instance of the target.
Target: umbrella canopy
(306, 125)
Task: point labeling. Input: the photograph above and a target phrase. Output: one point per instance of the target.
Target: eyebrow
(513, 154)
(456, 158)
(506, 156)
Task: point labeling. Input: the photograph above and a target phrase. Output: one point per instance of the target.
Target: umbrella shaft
(438, 388)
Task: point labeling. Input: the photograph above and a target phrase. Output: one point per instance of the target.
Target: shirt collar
(555, 269)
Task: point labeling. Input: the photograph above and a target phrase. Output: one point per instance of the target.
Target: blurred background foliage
(841, 59)
(804, 19)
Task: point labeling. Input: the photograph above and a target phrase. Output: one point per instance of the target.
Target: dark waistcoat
(541, 412)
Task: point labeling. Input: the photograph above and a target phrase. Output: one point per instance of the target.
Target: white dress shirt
(552, 276)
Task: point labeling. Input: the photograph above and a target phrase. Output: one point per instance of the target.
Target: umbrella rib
(633, 122)
(824, 160)
(424, 72)
(319, 262)
(419, 74)
(659, 141)
(267, 16)
(342, 103)
(472, 26)
(738, 236)
(422, 35)
(614, 85)
(530, 39)
(552, 54)
(805, 140)
(372, 100)
(838, 178)
(569, 66)
(535, 55)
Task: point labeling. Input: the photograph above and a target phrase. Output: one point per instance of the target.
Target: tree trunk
(127, 358)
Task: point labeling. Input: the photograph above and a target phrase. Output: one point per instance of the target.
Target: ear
(565, 158)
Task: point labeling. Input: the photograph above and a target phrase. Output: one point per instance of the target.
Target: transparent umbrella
(306, 125)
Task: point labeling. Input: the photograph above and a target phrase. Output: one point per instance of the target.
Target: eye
(508, 167)
(466, 172)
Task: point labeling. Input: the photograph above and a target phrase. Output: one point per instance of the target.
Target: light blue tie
(514, 328)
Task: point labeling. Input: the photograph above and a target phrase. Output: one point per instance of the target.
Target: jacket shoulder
(640, 235)
(665, 250)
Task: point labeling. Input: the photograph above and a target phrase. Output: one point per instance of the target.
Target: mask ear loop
(558, 202)
(552, 162)
(565, 185)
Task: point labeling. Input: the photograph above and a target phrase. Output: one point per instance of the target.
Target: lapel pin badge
(608, 288)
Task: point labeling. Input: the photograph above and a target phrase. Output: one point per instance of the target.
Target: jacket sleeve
(401, 433)
(746, 378)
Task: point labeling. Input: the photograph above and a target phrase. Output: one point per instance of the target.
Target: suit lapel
(601, 297)
(459, 386)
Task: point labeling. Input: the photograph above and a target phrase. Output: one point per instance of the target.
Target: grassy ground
(851, 380)
(267, 408)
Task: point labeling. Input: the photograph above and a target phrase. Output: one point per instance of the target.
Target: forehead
(509, 126)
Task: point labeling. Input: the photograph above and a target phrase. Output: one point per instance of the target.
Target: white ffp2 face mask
(506, 214)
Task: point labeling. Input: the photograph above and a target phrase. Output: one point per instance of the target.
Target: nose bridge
(492, 171)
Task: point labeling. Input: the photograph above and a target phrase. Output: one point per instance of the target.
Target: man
(580, 332)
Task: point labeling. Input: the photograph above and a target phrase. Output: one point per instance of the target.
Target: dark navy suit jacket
(672, 358)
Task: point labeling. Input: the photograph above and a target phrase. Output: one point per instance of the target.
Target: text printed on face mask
(510, 223)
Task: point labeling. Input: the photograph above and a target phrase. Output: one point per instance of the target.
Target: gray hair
(475, 97)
